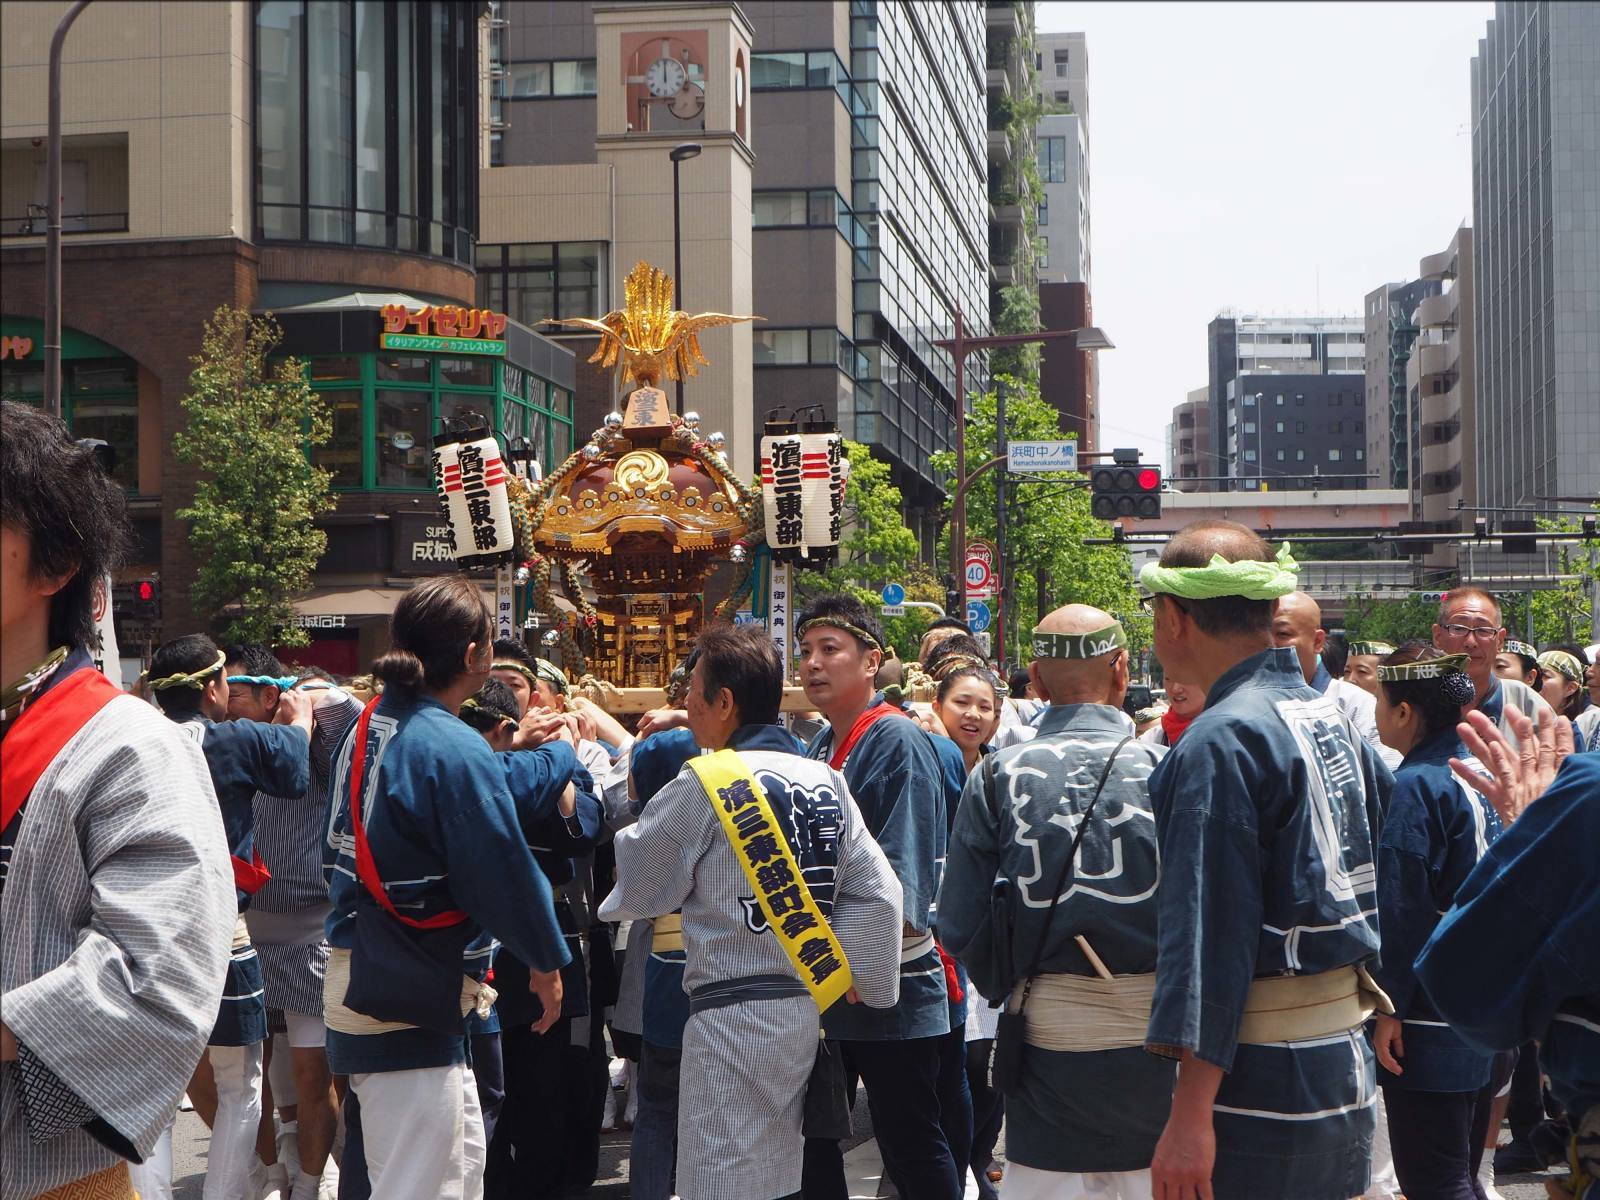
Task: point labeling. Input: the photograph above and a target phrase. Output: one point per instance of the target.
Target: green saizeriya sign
(442, 345)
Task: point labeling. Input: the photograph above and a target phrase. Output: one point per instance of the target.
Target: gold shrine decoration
(650, 336)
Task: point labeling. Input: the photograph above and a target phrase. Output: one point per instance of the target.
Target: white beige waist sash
(667, 933)
(241, 934)
(336, 980)
(1293, 1008)
(914, 945)
(1080, 1013)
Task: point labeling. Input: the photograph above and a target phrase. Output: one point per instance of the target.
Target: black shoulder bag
(1011, 1030)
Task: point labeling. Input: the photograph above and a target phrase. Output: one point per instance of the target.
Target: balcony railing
(37, 220)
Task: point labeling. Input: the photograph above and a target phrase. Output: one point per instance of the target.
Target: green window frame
(515, 401)
(18, 384)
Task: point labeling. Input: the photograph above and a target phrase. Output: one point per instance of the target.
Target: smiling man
(1469, 623)
(895, 776)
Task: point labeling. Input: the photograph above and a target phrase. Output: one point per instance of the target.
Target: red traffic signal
(1125, 491)
(147, 599)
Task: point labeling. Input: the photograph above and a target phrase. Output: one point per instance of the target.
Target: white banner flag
(107, 659)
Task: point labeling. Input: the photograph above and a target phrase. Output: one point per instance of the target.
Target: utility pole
(52, 237)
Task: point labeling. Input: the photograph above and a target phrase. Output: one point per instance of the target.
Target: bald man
(1298, 624)
(1087, 1103)
(1267, 812)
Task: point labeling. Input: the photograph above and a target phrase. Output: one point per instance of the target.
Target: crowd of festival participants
(1317, 928)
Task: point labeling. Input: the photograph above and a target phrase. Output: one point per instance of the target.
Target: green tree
(1565, 613)
(1369, 619)
(250, 420)
(1046, 522)
(876, 548)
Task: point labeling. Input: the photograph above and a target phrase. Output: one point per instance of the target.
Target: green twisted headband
(194, 679)
(551, 674)
(1377, 648)
(1562, 663)
(854, 631)
(1080, 645)
(1249, 580)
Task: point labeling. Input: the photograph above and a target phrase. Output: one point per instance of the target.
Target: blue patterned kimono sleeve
(1209, 901)
(895, 777)
(966, 924)
(1520, 941)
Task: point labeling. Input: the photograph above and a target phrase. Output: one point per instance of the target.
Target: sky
(1271, 158)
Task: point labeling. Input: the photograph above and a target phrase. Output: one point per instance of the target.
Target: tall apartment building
(1441, 396)
(1287, 409)
(1010, 78)
(1063, 151)
(315, 160)
(1536, 222)
(840, 195)
(1189, 442)
(1391, 330)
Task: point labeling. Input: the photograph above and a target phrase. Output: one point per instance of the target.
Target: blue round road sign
(894, 593)
(977, 616)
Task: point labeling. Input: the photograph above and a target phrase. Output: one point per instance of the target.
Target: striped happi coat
(114, 928)
(746, 1065)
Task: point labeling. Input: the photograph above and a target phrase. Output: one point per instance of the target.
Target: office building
(1389, 314)
(840, 194)
(319, 161)
(1189, 442)
(1287, 409)
(1441, 398)
(1536, 225)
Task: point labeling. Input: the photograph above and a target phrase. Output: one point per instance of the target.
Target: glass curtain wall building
(365, 124)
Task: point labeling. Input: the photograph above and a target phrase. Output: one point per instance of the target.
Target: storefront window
(404, 439)
(404, 368)
(474, 372)
(341, 454)
(99, 399)
(463, 405)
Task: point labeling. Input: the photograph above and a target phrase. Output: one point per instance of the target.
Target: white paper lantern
(471, 480)
(802, 483)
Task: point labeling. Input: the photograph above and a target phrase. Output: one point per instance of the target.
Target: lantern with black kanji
(470, 475)
(803, 471)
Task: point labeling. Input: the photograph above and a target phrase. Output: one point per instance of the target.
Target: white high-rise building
(1063, 241)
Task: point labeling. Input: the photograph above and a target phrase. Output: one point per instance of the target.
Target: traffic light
(147, 599)
(1125, 490)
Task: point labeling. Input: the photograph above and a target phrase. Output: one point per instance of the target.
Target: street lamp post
(679, 153)
(1090, 337)
(52, 237)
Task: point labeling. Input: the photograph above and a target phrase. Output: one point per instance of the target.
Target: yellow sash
(763, 852)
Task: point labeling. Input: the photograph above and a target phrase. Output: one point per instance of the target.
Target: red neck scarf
(873, 714)
(1173, 725)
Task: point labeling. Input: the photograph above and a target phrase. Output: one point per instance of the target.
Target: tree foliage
(250, 420)
(1046, 522)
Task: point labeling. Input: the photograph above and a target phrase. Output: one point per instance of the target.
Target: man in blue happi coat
(895, 777)
(1267, 812)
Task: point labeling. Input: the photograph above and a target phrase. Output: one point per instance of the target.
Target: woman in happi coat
(426, 853)
(968, 706)
(1436, 830)
(1561, 682)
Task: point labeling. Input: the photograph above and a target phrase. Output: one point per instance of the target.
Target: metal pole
(52, 239)
(958, 524)
(1003, 603)
(677, 263)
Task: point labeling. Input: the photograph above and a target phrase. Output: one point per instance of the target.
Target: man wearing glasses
(1469, 623)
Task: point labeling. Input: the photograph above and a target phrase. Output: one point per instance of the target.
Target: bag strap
(1066, 866)
(366, 865)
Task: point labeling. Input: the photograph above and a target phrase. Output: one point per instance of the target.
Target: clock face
(665, 77)
(688, 102)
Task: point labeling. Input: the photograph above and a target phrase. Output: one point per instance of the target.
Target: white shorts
(1030, 1183)
(305, 1031)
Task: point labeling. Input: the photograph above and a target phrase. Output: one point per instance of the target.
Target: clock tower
(668, 73)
